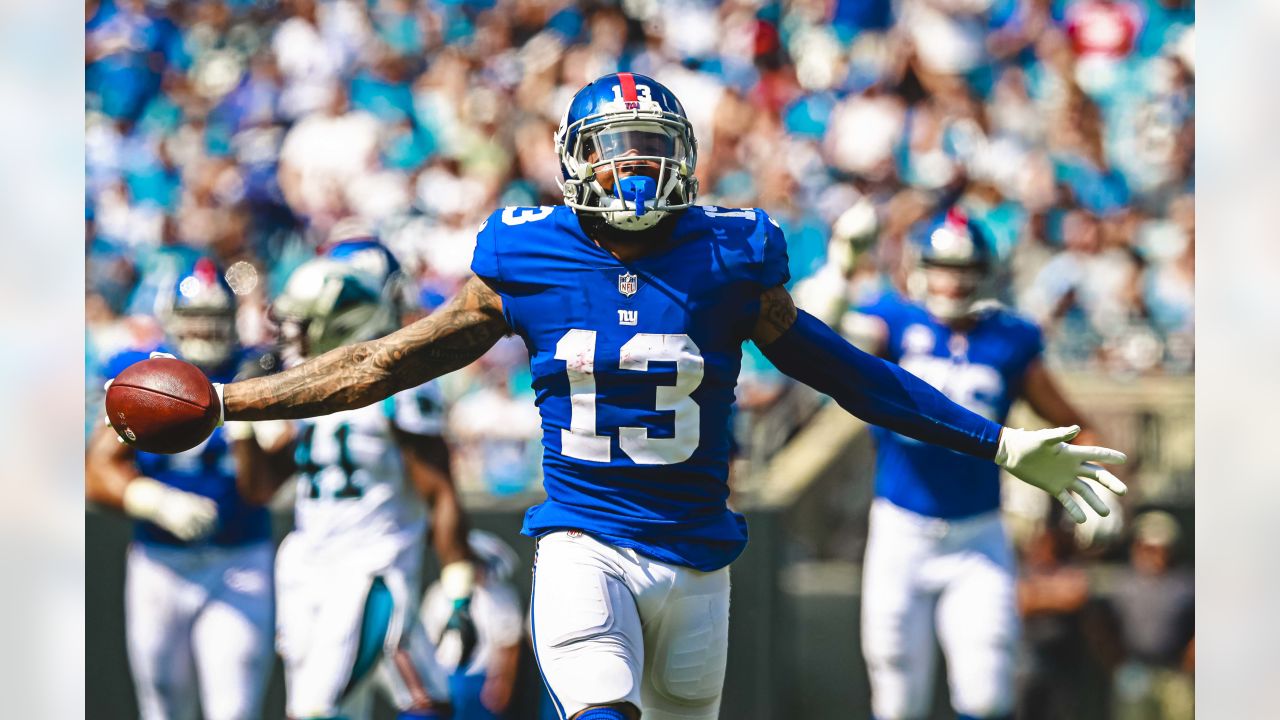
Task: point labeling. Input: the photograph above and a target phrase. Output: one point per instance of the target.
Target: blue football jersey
(634, 366)
(982, 370)
(208, 469)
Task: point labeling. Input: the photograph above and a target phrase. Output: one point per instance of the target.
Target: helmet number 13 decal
(642, 91)
(578, 350)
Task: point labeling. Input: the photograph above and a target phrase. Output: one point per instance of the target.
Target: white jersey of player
(358, 542)
(351, 482)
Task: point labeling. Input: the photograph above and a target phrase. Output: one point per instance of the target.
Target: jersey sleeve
(419, 410)
(1031, 343)
(772, 251)
(121, 360)
(484, 261)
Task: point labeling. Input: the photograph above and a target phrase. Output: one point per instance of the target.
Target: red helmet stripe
(628, 82)
(206, 271)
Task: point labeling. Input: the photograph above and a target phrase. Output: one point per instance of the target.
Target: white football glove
(1044, 459)
(186, 515)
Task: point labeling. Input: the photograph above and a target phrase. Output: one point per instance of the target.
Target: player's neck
(628, 250)
(629, 245)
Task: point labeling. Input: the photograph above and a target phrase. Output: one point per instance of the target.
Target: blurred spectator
(1155, 604)
(1053, 598)
(326, 153)
(1086, 294)
(314, 48)
(502, 455)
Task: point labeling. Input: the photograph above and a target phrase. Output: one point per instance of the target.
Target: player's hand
(459, 634)
(458, 581)
(185, 515)
(1044, 459)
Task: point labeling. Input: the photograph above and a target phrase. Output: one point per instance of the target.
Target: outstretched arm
(875, 390)
(361, 374)
(884, 394)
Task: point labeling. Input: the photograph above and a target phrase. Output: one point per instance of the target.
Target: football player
(198, 588)
(348, 577)
(634, 303)
(938, 563)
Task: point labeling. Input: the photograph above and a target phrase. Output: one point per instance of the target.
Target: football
(162, 405)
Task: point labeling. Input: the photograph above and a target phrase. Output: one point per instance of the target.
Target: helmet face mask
(627, 152)
(200, 317)
(951, 276)
(207, 340)
(951, 292)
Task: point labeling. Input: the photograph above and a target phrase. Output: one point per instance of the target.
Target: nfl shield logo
(628, 284)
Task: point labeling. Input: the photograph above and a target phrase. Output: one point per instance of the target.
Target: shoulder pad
(766, 243)
(501, 230)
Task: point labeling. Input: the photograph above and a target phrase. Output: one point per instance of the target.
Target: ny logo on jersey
(628, 317)
(628, 284)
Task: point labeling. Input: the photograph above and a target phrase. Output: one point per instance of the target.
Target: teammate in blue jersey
(198, 593)
(634, 304)
(938, 563)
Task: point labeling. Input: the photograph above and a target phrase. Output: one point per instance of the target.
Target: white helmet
(327, 304)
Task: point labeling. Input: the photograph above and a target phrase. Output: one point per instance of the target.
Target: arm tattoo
(357, 375)
(777, 313)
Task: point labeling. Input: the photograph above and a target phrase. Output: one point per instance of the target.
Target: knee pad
(689, 667)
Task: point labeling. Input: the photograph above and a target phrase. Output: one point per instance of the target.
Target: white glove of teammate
(1044, 459)
(187, 515)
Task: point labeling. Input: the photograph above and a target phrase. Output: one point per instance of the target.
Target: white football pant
(323, 599)
(924, 576)
(611, 625)
(198, 625)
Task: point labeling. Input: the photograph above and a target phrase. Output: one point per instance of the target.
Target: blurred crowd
(248, 129)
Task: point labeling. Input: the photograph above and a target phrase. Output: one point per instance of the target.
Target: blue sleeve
(1031, 346)
(878, 391)
(484, 262)
(122, 360)
(885, 306)
(773, 252)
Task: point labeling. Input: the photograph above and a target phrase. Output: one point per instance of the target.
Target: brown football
(162, 405)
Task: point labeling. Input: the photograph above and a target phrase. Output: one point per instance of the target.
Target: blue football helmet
(627, 152)
(199, 316)
(953, 264)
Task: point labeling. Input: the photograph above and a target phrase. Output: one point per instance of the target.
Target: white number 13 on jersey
(578, 349)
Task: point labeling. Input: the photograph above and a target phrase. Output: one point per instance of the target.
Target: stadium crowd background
(248, 129)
